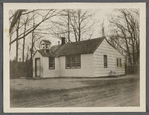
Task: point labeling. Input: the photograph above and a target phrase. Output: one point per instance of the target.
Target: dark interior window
(51, 63)
(105, 61)
(73, 61)
(47, 45)
(119, 62)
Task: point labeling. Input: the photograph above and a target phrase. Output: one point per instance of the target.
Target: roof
(46, 41)
(46, 54)
(82, 47)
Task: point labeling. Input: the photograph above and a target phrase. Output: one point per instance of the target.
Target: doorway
(37, 67)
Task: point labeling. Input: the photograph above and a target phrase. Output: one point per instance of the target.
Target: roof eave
(76, 54)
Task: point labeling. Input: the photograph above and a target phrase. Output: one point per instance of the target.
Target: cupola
(45, 45)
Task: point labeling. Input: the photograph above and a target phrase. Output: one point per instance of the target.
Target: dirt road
(92, 93)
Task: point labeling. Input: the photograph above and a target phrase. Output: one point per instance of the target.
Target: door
(37, 67)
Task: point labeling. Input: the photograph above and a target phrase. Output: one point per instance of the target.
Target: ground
(76, 92)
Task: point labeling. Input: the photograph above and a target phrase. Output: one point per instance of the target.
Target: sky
(100, 15)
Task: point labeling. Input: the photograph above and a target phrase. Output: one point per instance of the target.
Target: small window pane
(105, 61)
(73, 61)
(51, 63)
(77, 59)
(68, 59)
(78, 65)
(117, 62)
(120, 63)
(68, 65)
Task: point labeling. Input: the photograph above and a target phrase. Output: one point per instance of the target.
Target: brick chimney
(63, 40)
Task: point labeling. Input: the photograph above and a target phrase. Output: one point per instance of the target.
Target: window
(105, 61)
(51, 63)
(47, 51)
(73, 61)
(119, 62)
(47, 45)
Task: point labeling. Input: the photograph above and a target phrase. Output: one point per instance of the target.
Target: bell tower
(45, 45)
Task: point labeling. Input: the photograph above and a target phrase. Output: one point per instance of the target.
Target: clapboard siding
(112, 55)
(86, 69)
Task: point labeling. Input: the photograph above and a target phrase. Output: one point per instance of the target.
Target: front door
(37, 67)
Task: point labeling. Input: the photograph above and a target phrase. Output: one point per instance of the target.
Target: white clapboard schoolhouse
(89, 58)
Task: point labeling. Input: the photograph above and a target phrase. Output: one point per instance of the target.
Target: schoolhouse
(89, 58)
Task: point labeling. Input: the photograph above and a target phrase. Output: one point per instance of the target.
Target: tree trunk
(23, 43)
(68, 27)
(10, 42)
(32, 48)
(79, 38)
(17, 45)
(79, 28)
(17, 34)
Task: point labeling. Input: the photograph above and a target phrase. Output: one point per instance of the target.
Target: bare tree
(81, 23)
(61, 26)
(26, 21)
(32, 42)
(22, 30)
(50, 13)
(125, 36)
(73, 24)
(17, 34)
(15, 17)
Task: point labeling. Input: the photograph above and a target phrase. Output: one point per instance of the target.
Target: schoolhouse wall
(86, 69)
(50, 72)
(112, 55)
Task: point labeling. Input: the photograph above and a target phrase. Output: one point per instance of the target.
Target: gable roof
(82, 47)
(46, 41)
(46, 54)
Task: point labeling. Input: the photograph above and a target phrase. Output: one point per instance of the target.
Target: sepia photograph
(74, 57)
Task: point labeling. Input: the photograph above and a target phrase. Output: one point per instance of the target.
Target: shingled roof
(47, 54)
(46, 41)
(82, 47)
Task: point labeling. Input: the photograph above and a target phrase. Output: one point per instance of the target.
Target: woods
(126, 35)
(28, 27)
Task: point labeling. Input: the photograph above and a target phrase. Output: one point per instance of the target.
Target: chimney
(63, 40)
(58, 42)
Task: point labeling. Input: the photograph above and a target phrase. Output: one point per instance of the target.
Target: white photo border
(6, 78)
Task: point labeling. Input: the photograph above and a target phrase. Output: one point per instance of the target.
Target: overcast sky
(101, 15)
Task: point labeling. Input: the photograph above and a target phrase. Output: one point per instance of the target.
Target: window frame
(71, 63)
(105, 63)
(52, 63)
(119, 62)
